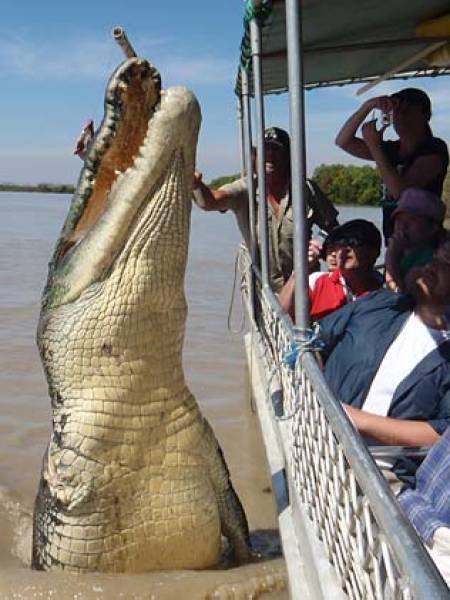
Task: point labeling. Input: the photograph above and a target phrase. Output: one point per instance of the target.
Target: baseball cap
(275, 135)
(422, 203)
(357, 232)
(415, 97)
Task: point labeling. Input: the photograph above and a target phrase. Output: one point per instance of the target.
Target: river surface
(215, 370)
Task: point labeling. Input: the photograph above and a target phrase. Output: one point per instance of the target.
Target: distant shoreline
(49, 188)
(43, 188)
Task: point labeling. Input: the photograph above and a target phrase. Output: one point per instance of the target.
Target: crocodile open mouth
(137, 169)
(132, 95)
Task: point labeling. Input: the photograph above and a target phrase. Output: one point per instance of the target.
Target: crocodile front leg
(233, 521)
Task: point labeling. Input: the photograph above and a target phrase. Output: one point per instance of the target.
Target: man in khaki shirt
(234, 196)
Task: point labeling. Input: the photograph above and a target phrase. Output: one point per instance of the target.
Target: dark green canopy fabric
(346, 41)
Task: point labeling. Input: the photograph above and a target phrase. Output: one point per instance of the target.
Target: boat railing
(343, 533)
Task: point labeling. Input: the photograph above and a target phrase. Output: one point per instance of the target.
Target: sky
(56, 58)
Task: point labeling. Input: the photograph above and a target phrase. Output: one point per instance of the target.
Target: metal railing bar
(298, 157)
(407, 547)
(255, 37)
(399, 451)
(382, 532)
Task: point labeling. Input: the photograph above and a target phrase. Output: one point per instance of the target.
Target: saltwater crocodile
(133, 478)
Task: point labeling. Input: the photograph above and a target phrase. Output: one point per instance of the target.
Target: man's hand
(371, 135)
(383, 103)
(347, 138)
(197, 179)
(84, 139)
(314, 250)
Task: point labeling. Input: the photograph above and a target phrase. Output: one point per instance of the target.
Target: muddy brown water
(216, 372)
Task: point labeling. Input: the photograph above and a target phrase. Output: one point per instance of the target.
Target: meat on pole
(121, 38)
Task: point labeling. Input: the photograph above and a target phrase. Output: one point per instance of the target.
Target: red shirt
(330, 293)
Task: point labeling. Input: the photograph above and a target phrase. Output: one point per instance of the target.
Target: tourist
(415, 159)
(417, 233)
(355, 246)
(427, 504)
(235, 196)
(387, 358)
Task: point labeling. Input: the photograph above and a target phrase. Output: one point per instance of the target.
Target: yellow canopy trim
(439, 27)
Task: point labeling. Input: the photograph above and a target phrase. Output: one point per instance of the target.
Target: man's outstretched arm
(208, 199)
(392, 432)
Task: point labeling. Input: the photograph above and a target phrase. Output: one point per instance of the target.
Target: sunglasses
(351, 241)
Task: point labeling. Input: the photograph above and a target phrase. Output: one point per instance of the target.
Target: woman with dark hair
(417, 159)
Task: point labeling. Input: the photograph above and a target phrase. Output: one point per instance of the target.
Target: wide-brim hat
(421, 203)
(365, 232)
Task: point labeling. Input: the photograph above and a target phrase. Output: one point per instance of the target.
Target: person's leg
(439, 550)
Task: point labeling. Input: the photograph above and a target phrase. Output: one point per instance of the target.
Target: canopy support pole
(298, 160)
(248, 154)
(255, 38)
(247, 130)
(241, 135)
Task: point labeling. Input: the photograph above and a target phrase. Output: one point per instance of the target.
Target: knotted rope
(306, 340)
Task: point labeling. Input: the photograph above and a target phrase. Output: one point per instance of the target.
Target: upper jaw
(133, 146)
(132, 95)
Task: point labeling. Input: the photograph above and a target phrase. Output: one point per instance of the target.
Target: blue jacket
(428, 504)
(357, 337)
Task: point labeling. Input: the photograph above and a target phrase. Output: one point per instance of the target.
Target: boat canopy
(342, 530)
(349, 41)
